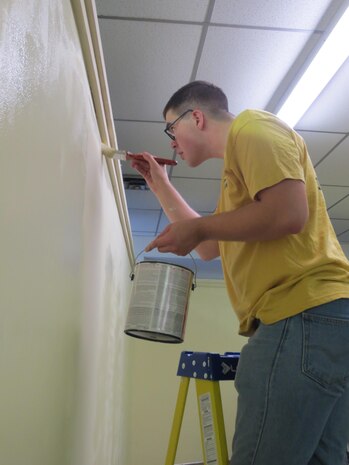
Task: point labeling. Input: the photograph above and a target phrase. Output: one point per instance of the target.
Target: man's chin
(193, 163)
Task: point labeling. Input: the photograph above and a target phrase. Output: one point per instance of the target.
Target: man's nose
(174, 144)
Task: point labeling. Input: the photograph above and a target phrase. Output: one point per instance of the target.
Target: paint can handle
(194, 284)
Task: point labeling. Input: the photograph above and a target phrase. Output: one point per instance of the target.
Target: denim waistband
(338, 308)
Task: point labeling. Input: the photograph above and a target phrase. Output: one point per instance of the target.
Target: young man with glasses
(285, 272)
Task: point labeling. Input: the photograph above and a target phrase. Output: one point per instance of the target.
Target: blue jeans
(293, 386)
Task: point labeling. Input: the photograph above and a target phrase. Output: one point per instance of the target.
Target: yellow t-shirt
(273, 280)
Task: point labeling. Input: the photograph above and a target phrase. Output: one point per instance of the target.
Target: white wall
(211, 327)
(64, 269)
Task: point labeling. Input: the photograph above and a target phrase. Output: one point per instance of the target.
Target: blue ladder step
(208, 365)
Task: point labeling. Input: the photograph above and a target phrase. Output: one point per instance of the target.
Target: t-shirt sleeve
(266, 153)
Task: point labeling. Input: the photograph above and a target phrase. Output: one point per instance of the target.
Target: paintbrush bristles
(108, 152)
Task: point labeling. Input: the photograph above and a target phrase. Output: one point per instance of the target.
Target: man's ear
(199, 118)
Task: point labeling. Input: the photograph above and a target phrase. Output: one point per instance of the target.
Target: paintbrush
(109, 152)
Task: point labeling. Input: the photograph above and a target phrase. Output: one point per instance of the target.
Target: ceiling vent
(135, 183)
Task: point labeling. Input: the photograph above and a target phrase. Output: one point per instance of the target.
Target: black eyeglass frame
(169, 125)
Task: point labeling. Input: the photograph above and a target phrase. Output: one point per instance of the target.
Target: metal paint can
(159, 301)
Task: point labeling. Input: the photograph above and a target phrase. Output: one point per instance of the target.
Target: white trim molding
(87, 26)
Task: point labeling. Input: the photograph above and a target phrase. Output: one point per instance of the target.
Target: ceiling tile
(330, 111)
(195, 10)
(163, 222)
(334, 194)
(142, 199)
(254, 66)
(144, 220)
(340, 225)
(143, 137)
(201, 194)
(319, 143)
(340, 210)
(272, 13)
(345, 238)
(143, 234)
(143, 72)
(335, 168)
(345, 246)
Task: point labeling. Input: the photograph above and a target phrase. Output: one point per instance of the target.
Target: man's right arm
(173, 204)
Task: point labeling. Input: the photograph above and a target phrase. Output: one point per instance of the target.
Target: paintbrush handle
(161, 161)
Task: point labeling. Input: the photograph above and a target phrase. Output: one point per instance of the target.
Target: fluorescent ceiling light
(324, 66)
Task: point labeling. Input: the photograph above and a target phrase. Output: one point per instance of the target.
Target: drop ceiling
(255, 51)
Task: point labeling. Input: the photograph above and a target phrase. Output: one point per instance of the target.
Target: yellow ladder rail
(177, 421)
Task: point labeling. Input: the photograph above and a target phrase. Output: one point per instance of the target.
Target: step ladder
(207, 369)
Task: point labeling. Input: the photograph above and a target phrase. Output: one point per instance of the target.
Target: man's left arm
(276, 212)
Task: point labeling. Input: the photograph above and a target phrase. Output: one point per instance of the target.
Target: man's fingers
(159, 242)
(141, 166)
(150, 247)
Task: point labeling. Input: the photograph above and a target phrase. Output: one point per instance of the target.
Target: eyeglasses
(169, 126)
